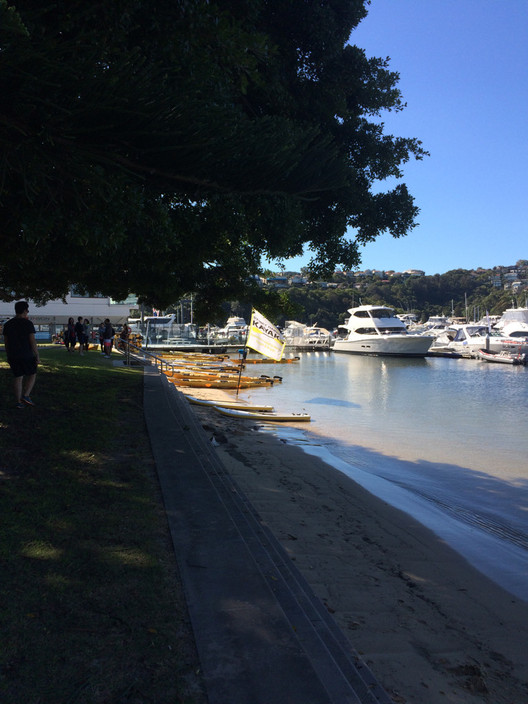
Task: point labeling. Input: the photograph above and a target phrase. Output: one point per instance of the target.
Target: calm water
(445, 440)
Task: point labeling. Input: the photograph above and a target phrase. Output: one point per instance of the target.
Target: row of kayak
(203, 372)
(199, 357)
(194, 370)
(199, 380)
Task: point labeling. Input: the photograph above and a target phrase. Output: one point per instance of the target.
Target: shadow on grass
(91, 606)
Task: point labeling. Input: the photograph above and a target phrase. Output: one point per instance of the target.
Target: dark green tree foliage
(163, 146)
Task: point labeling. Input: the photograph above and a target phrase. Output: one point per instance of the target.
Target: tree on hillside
(162, 147)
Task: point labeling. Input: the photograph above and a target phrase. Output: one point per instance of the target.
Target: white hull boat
(306, 337)
(468, 339)
(513, 323)
(502, 357)
(375, 330)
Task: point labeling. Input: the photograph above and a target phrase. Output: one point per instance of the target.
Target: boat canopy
(372, 313)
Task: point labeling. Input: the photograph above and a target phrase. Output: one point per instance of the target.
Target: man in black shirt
(79, 331)
(22, 352)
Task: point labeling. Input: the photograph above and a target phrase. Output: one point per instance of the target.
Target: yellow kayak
(265, 360)
(194, 383)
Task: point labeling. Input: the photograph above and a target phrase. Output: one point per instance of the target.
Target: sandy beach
(431, 627)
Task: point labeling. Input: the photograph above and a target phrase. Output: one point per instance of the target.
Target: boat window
(159, 321)
(375, 313)
(391, 330)
(366, 331)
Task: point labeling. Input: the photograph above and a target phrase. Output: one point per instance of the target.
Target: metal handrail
(145, 357)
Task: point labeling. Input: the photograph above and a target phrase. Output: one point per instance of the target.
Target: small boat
(268, 417)
(503, 357)
(235, 405)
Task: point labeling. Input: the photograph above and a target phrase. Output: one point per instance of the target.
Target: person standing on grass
(22, 353)
(79, 331)
(108, 337)
(102, 327)
(69, 335)
(86, 333)
(123, 337)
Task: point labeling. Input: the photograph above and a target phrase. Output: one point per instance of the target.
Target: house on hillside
(277, 281)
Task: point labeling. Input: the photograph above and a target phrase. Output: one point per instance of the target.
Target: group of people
(80, 332)
(77, 332)
(22, 352)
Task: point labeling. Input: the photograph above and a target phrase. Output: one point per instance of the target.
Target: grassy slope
(90, 606)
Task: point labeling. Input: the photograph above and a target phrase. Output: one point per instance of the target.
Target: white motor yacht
(235, 330)
(376, 330)
(513, 322)
(306, 337)
(435, 325)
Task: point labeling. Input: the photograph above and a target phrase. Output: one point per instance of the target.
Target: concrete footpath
(261, 634)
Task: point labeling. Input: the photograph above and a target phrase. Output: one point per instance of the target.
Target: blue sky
(463, 68)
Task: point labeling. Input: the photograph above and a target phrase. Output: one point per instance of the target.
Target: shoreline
(503, 563)
(429, 625)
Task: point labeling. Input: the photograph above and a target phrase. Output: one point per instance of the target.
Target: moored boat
(513, 322)
(468, 339)
(306, 337)
(503, 357)
(235, 329)
(375, 330)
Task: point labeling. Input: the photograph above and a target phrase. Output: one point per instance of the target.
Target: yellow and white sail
(264, 337)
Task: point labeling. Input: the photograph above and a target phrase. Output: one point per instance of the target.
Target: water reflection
(461, 411)
(333, 402)
(445, 439)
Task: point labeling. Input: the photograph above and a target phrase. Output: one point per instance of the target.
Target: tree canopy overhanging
(164, 146)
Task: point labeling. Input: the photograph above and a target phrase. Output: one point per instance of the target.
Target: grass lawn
(91, 609)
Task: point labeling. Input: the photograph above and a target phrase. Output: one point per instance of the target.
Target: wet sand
(431, 627)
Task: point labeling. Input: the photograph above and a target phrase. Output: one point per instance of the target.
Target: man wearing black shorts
(22, 353)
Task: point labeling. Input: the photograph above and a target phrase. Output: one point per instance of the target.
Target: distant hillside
(459, 292)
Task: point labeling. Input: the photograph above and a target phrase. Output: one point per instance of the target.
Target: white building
(51, 317)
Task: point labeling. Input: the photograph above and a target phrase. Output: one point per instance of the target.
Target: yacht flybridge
(376, 330)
